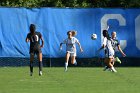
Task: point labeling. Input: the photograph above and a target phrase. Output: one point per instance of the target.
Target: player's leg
(106, 64)
(113, 62)
(73, 58)
(111, 59)
(67, 60)
(40, 63)
(31, 63)
(110, 64)
(117, 60)
(106, 60)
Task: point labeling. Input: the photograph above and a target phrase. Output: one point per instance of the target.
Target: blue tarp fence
(54, 23)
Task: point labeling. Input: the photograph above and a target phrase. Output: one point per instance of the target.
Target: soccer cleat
(40, 73)
(31, 73)
(105, 68)
(109, 69)
(66, 69)
(118, 60)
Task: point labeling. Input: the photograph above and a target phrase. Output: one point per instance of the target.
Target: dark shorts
(35, 50)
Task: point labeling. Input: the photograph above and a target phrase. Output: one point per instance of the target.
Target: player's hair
(68, 32)
(73, 32)
(105, 34)
(113, 32)
(32, 28)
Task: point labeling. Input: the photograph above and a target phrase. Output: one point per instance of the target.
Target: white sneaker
(75, 63)
(40, 73)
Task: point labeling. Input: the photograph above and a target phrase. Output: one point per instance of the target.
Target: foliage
(71, 3)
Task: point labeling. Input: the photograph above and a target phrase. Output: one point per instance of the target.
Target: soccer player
(115, 43)
(109, 51)
(71, 48)
(35, 48)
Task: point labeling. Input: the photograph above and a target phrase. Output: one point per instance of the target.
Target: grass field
(76, 80)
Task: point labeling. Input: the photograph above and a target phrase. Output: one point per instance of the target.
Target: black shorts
(35, 50)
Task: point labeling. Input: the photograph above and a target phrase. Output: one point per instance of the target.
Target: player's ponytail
(74, 33)
(32, 28)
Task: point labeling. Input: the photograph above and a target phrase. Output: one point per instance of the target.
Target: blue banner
(54, 23)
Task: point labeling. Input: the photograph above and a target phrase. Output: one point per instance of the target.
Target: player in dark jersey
(35, 47)
(115, 43)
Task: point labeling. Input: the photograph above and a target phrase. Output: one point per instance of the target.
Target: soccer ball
(93, 36)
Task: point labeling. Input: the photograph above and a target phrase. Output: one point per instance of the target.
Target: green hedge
(71, 3)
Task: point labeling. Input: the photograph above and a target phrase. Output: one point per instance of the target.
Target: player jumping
(109, 51)
(71, 48)
(115, 43)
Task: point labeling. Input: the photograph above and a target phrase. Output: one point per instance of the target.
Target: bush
(71, 3)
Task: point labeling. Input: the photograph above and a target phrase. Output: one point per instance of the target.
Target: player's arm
(64, 42)
(107, 28)
(27, 38)
(61, 46)
(119, 48)
(42, 40)
(103, 45)
(80, 46)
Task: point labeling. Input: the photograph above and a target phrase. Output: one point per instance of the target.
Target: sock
(66, 65)
(31, 66)
(113, 69)
(40, 66)
(75, 63)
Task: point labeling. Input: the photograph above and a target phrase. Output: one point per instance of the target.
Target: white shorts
(72, 53)
(109, 53)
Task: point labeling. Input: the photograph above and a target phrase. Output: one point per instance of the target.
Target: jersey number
(35, 38)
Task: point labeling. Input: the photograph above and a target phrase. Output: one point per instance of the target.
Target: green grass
(76, 80)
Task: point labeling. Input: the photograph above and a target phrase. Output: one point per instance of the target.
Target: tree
(71, 3)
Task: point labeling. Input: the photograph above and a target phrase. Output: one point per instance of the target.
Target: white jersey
(70, 44)
(108, 46)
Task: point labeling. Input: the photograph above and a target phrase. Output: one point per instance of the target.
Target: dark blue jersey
(115, 43)
(34, 39)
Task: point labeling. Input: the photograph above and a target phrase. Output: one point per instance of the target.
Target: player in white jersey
(71, 47)
(109, 52)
